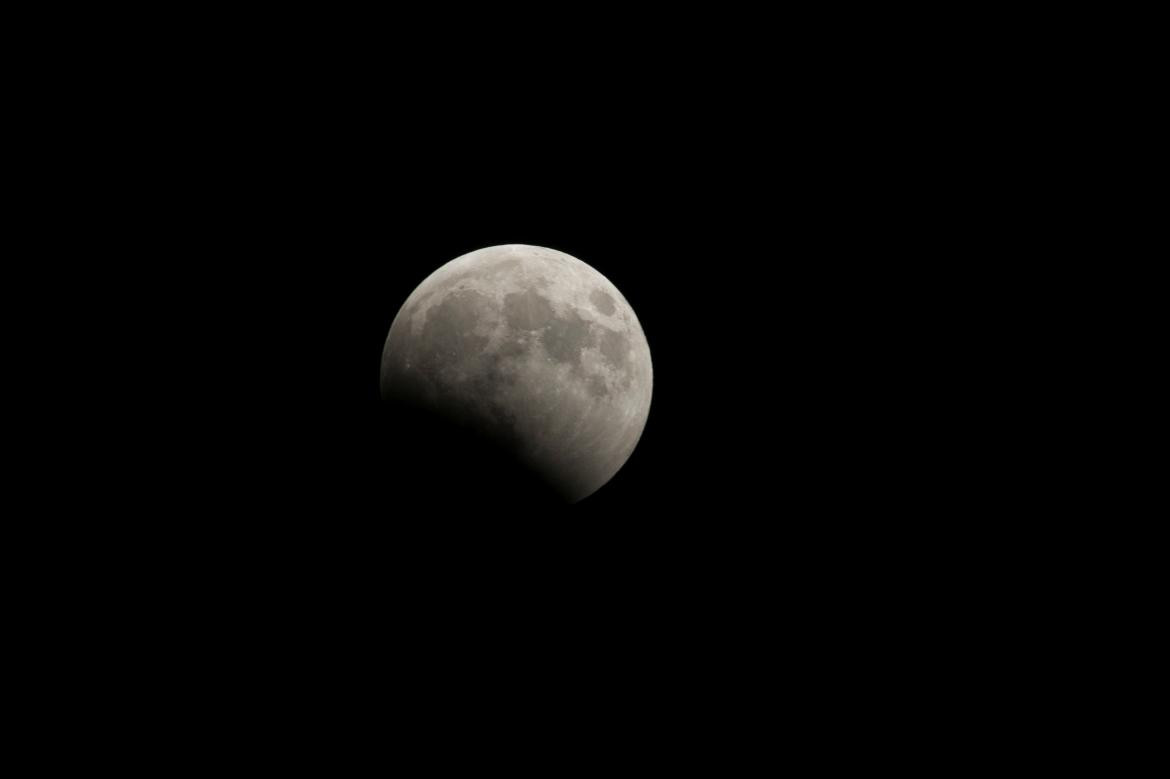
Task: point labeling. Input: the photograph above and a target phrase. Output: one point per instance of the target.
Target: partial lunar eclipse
(533, 348)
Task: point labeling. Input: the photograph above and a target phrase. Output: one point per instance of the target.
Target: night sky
(802, 492)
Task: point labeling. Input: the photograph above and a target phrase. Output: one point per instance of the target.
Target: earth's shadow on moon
(451, 468)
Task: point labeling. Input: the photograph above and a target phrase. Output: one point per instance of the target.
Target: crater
(602, 301)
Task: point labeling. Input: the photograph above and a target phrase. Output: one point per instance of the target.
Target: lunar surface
(533, 348)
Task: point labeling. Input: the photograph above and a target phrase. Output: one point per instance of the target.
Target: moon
(533, 348)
